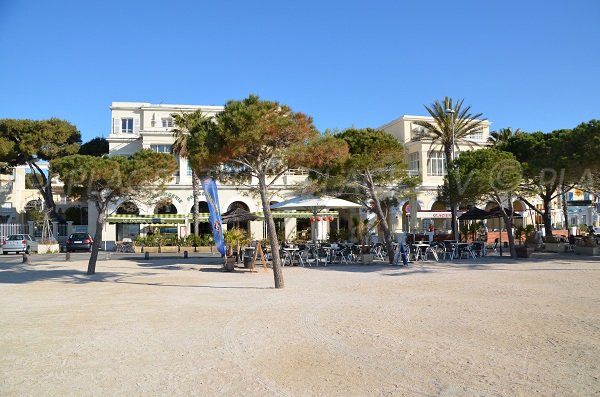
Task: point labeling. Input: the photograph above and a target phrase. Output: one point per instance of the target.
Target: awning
(153, 219)
(302, 214)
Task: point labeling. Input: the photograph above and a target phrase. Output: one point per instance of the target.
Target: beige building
(138, 125)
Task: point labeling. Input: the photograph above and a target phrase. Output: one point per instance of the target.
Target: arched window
(242, 225)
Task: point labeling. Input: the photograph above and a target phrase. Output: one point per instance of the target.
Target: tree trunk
(508, 222)
(271, 232)
(452, 191)
(97, 239)
(382, 221)
(195, 194)
(45, 189)
(547, 217)
(565, 210)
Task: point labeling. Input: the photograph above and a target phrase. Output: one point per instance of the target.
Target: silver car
(19, 243)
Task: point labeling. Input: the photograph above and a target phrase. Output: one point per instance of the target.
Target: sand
(174, 327)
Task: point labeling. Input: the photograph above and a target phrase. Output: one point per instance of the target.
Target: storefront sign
(434, 214)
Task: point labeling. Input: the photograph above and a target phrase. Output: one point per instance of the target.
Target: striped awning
(302, 214)
(159, 219)
(153, 219)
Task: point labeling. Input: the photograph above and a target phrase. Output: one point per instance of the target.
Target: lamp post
(451, 112)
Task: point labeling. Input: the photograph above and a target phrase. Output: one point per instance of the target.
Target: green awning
(302, 214)
(153, 219)
(159, 219)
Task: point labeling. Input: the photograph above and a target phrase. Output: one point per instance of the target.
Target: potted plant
(168, 243)
(362, 231)
(525, 250)
(234, 238)
(554, 244)
(587, 246)
(48, 247)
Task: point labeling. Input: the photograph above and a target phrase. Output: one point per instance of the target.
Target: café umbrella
(314, 204)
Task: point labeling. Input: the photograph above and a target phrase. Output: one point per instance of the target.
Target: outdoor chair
(492, 247)
(285, 257)
(478, 248)
(355, 253)
(449, 250)
(379, 251)
(323, 256)
(467, 252)
(433, 251)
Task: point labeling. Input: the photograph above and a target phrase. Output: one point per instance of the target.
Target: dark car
(79, 241)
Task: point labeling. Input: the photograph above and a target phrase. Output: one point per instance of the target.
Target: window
(189, 170)
(127, 126)
(436, 164)
(161, 148)
(413, 163)
(475, 135)
(167, 122)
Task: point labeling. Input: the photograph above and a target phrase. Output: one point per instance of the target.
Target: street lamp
(451, 112)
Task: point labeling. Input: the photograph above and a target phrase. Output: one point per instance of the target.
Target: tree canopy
(489, 175)
(95, 147)
(373, 167)
(108, 181)
(552, 163)
(254, 138)
(29, 142)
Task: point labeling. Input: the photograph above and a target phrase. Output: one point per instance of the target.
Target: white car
(19, 243)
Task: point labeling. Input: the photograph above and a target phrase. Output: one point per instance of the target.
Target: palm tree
(452, 125)
(185, 122)
(502, 135)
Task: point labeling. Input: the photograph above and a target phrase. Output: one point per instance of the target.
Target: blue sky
(534, 64)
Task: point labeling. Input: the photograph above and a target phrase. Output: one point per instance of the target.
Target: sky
(533, 65)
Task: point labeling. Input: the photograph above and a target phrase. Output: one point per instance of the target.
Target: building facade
(137, 126)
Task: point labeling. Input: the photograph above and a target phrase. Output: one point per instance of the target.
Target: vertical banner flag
(212, 198)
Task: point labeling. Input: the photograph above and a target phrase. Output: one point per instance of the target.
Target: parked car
(79, 241)
(19, 243)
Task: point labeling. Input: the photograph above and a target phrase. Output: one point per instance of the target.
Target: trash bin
(248, 257)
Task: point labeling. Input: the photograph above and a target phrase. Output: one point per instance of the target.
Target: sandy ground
(175, 327)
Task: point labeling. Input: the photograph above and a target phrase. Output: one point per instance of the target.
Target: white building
(136, 126)
(429, 163)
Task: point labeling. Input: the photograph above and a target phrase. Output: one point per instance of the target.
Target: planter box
(555, 247)
(524, 252)
(48, 248)
(152, 250)
(169, 249)
(198, 249)
(590, 251)
(367, 258)
(229, 263)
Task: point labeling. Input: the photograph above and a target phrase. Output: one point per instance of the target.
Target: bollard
(25, 257)
(146, 255)
(107, 256)
(68, 256)
(185, 254)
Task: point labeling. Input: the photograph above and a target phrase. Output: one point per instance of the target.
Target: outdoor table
(420, 248)
(294, 253)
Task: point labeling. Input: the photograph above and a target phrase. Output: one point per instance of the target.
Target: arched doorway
(203, 227)
(407, 213)
(242, 225)
(125, 229)
(165, 207)
(443, 224)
